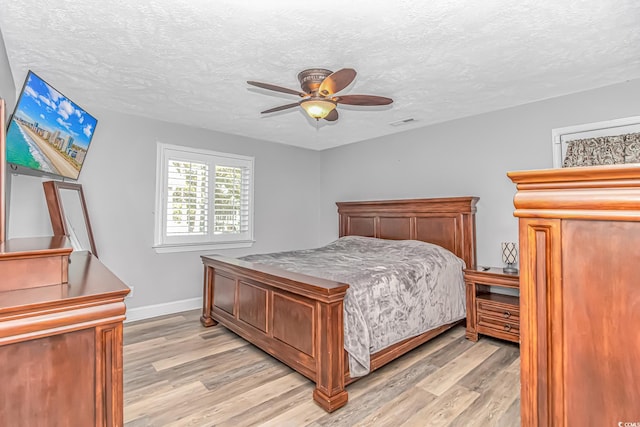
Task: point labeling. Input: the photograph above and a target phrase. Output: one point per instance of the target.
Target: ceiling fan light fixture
(318, 89)
(318, 108)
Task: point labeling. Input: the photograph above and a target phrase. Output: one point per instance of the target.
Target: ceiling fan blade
(277, 88)
(332, 116)
(363, 100)
(337, 81)
(280, 108)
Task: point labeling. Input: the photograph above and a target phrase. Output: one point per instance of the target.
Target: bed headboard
(449, 222)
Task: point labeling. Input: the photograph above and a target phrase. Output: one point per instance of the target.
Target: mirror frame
(56, 211)
(3, 174)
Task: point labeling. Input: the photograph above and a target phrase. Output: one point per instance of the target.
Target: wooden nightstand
(488, 313)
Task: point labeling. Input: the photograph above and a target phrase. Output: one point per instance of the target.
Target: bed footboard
(298, 319)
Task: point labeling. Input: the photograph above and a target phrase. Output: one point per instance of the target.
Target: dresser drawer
(501, 328)
(501, 308)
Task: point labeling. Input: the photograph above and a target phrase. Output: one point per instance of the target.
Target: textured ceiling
(187, 61)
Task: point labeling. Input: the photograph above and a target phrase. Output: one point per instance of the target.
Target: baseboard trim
(155, 310)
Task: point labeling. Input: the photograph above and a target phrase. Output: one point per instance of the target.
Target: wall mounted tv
(48, 133)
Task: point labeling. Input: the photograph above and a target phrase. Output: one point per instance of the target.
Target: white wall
(465, 157)
(7, 87)
(8, 93)
(118, 179)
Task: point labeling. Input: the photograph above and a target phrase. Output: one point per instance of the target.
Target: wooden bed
(299, 319)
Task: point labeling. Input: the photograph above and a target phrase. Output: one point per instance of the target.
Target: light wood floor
(178, 373)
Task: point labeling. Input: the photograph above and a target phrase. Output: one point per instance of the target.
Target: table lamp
(510, 256)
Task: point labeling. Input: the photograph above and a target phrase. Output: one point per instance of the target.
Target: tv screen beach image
(48, 132)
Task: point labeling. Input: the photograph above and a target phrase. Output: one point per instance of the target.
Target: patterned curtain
(606, 150)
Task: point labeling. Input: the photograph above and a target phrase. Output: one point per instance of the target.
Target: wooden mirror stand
(3, 162)
(68, 213)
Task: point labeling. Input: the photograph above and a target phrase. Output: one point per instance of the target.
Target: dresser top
(89, 281)
(35, 246)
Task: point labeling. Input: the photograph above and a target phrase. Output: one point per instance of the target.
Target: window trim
(160, 239)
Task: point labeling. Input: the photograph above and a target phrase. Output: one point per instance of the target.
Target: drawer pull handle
(507, 327)
(506, 314)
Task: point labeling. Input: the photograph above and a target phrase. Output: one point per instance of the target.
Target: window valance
(606, 150)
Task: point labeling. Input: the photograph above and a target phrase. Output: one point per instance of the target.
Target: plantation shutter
(187, 198)
(204, 199)
(231, 200)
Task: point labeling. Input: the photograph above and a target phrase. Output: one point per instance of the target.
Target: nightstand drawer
(506, 311)
(490, 325)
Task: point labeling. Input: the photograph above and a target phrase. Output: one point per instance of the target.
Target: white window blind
(187, 198)
(204, 199)
(231, 200)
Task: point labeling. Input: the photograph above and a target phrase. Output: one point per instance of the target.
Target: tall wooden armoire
(579, 295)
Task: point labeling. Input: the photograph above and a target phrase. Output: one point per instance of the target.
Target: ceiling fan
(319, 89)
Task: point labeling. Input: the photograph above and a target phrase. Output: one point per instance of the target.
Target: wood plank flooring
(177, 373)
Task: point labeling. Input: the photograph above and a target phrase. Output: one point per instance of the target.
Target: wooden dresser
(580, 295)
(60, 343)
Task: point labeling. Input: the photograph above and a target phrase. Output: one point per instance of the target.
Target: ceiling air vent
(403, 122)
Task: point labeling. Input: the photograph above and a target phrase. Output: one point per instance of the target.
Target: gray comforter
(397, 289)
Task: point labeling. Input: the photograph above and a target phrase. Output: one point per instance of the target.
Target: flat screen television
(48, 134)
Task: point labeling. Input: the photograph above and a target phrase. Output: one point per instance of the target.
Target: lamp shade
(509, 252)
(318, 108)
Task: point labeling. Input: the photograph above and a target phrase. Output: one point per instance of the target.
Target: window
(203, 200)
